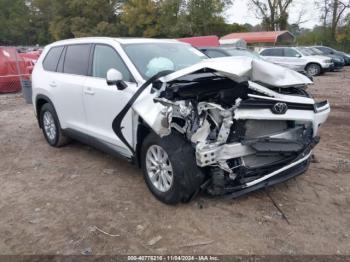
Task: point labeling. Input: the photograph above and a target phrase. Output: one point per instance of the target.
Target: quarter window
(325, 50)
(214, 53)
(105, 58)
(272, 52)
(77, 59)
(52, 57)
(289, 52)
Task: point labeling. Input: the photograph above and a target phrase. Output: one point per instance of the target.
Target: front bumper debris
(293, 168)
(282, 176)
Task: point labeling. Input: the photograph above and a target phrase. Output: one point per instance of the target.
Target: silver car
(294, 57)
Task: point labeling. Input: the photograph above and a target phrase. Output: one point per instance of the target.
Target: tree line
(30, 22)
(43, 21)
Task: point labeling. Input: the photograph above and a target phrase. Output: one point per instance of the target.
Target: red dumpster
(13, 69)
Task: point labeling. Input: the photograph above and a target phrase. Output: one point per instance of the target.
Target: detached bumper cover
(296, 167)
(282, 176)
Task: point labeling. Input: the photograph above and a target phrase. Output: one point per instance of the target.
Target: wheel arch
(40, 101)
(313, 63)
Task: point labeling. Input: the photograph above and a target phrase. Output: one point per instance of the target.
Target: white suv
(224, 126)
(284, 56)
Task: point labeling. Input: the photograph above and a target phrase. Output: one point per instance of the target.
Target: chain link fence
(15, 71)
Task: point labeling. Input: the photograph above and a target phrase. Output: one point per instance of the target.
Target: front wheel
(313, 69)
(170, 169)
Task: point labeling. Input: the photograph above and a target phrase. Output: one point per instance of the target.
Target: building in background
(201, 41)
(263, 38)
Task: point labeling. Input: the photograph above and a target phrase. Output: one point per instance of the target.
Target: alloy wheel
(159, 168)
(49, 125)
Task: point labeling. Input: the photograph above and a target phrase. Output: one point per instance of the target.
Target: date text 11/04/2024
(173, 258)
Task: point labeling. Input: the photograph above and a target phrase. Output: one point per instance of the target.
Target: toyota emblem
(280, 108)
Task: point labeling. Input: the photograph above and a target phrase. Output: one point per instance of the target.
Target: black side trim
(117, 122)
(96, 143)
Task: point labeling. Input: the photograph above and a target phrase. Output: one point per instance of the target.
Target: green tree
(14, 26)
(205, 16)
(78, 18)
(273, 13)
(172, 18)
(141, 18)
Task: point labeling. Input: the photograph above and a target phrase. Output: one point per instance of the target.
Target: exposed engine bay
(245, 134)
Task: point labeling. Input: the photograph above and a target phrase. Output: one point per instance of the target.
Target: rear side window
(52, 57)
(76, 61)
(272, 52)
(325, 50)
(105, 58)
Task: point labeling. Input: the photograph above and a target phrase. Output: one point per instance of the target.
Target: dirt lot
(57, 201)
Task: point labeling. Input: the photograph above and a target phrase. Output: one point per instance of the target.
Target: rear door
(68, 86)
(292, 57)
(103, 102)
(274, 55)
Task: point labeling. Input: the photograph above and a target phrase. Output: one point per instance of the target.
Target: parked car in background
(214, 52)
(227, 126)
(313, 65)
(338, 61)
(346, 57)
(330, 51)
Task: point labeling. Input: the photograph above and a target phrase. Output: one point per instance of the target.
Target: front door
(103, 102)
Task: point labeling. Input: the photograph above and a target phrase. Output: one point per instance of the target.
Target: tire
(51, 127)
(185, 177)
(313, 69)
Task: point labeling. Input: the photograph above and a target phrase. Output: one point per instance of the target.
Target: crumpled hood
(242, 69)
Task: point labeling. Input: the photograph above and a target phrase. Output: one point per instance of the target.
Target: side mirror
(298, 55)
(114, 77)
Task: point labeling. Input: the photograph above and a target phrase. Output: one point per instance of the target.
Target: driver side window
(105, 58)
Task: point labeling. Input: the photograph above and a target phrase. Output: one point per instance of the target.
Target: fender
(116, 124)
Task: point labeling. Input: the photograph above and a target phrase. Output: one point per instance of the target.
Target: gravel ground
(77, 200)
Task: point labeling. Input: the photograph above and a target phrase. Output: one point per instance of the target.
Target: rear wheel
(170, 169)
(51, 126)
(313, 69)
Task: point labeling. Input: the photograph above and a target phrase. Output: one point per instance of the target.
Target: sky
(241, 13)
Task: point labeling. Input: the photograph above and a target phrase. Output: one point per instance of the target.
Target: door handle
(89, 91)
(53, 84)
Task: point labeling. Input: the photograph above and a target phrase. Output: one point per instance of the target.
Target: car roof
(222, 48)
(125, 40)
(276, 47)
(209, 47)
(323, 46)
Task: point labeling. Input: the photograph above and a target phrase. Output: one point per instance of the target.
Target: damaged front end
(245, 135)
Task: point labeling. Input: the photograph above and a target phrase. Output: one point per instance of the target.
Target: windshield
(242, 52)
(305, 51)
(152, 58)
